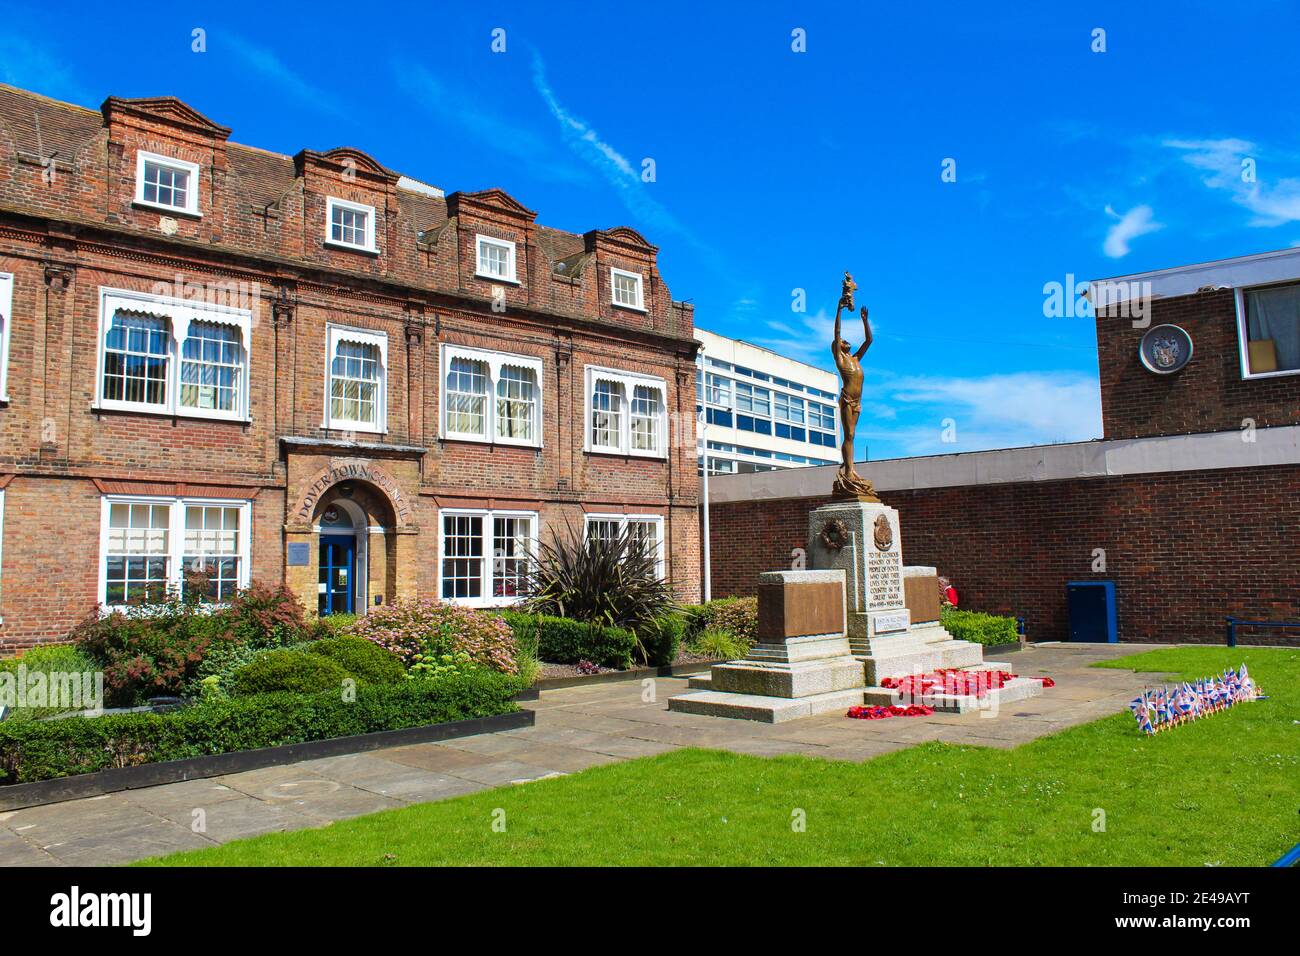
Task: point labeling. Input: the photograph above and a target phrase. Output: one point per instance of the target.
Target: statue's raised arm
(848, 483)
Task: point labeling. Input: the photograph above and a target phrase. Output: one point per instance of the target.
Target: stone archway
(378, 564)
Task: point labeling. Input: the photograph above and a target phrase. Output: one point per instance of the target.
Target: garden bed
(42, 792)
(609, 675)
(32, 751)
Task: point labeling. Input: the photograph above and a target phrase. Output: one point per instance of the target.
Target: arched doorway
(343, 536)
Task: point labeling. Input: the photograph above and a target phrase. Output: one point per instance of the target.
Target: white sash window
(356, 380)
(649, 529)
(6, 330)
(491, 396)
(154, 547)
(627, 413)
(485, 556)
(173, 356)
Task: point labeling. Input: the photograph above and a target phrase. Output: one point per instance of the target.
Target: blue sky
(775, 170)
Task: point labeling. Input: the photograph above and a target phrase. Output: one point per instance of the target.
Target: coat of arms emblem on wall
(884, 533)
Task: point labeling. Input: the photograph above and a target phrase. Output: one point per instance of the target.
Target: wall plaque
(1165, 349)
(299, 555)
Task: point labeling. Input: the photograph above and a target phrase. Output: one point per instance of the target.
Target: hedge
(289, 670)
(979, 627)
(662, 638)
(44, 750)
(566, 641)
(732, 615)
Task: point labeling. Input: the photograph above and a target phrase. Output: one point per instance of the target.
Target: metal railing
(1235, 622)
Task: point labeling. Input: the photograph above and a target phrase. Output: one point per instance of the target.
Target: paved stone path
(577, 727)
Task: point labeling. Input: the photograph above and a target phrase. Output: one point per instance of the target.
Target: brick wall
(1208, 395)
(261, 229)
(1184, 549)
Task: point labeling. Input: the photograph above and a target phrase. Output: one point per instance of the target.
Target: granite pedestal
(802, 663)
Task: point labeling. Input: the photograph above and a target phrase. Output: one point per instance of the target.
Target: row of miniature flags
(1163, 707)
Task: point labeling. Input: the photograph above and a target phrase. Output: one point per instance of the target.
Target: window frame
(6, 330)
(175, 538)
(193, 170)
(1243, 348)
(332, 203)
(623, 520)
(486, 575)
(511, 259)
(628, 381)
(336, 333)
(179, 314)
(495, 362)
(640, 289)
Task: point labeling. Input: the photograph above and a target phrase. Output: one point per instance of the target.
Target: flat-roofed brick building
(311, 369)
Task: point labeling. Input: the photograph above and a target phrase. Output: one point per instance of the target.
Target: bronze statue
(848, 483)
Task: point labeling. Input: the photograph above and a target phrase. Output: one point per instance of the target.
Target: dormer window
(626, 288)
(496, 259)
(350, 225)
(165, 183)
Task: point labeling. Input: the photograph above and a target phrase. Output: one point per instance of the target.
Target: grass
(1220, 791)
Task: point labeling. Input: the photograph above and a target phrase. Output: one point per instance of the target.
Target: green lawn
(1224, 790)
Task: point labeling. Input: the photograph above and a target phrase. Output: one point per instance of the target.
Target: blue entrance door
(338, 559)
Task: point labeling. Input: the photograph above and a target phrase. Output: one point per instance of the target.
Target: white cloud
(989, 411)
(1138, 221)
(624, 175)
(804, 337)
(1274, 202)
(457, 106)
(263, 61)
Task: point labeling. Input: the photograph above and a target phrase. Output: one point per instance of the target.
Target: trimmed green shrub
(661, 639)
(720, 645)
(43, 750)
(563, 640)
(366, 661)
(297, 671)
(50, 659)
(331, 625)
(424, 627)
(979, 627)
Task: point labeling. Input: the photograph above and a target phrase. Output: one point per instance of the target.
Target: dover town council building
(311, 369)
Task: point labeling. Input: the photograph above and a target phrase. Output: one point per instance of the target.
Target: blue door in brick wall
(338, 560)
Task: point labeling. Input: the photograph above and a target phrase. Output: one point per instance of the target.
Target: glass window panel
(467, 396)
(511, 544)
(462, 556)
(647, 409)
(516, 403)
(211, 367)
(135, 359)
(607, 414)
(354, 378)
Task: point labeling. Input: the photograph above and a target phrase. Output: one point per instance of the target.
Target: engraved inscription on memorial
(885, 580)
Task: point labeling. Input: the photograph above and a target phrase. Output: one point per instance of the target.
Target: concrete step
(770, 710)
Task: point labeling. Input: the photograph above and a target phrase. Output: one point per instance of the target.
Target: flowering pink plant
(430, 629)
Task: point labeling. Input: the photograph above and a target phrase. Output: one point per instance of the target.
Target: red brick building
(311, 369)
(1190, 503)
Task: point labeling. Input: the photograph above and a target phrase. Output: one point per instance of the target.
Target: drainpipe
(704, 490)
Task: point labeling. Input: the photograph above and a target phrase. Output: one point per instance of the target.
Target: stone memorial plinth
(802, 663)
(864, 539)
